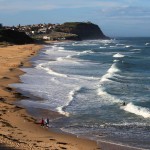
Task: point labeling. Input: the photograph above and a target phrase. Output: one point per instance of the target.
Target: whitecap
(128, 46)
(113, 69)
(147, 43)
(102, 47)
(60, 110)
(50, 71)
(70, 99)
(107, 97)
(69, 56)
(85, 52)
(59, 59)
(120, 44)
(138, 110)
(118, 55)
(135, 49)
(115, 60)
(112, 46)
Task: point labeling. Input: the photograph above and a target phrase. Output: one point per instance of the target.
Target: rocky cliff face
(84, 31)
(15, 37)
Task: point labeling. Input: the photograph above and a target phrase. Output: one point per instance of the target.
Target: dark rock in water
(15, 37)
(84, 31)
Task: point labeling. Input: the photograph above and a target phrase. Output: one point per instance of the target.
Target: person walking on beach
(42, 122)
(47, 122)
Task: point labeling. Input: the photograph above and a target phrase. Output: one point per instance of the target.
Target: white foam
(60, 48)
(85, 52)
(107, 97)
(59, 59)
(73, 93)
(102, 47)
(138, 110)
(55, 47)
(124, 124)
(106, 78)
(60, 110)
(106, 41)
(147, 43)
(120, 44)
(113, 69)
(118, 55)
(115, 60)
(70, 98)
(135, 49)
(86, 78)
(50, 71)
(128, 46)
(60, 51)
(69, 56)
(112, 46)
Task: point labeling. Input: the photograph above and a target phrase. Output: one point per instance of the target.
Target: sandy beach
(19, 130)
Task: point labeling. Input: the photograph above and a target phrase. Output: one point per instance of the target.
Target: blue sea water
(87, 81)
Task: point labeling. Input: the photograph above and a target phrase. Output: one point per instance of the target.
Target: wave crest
(50, 71)
(118, 55)
(138, 110)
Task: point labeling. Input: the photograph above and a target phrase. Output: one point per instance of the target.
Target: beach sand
(19, 130)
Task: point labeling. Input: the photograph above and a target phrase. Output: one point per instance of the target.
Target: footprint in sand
(63, 143)
(5, 78)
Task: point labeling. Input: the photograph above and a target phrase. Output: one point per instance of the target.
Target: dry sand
(19, 130)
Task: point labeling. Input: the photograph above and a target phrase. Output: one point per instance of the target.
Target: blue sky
(115, 17)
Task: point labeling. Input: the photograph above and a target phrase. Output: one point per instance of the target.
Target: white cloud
(107, 10)
(22, 5)
(123, 12)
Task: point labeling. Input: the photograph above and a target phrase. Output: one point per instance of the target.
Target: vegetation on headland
(15, 37)
(84, 30)
(49, 32)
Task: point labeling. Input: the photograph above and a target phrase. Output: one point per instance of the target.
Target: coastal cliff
(50, 32)
(83, 30)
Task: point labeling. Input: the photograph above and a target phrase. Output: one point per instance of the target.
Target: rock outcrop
(83, 30)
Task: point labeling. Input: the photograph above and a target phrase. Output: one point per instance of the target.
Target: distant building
(46, 38)
(42, 30)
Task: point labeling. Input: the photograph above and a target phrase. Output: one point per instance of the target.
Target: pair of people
(45, 122)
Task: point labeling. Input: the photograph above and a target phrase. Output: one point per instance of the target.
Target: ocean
(88, 82)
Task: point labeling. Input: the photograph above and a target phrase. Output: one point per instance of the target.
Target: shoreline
(19, 130)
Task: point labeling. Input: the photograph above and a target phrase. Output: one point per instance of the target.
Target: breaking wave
(138, 110)
(71, 96)
(50, 71)
(118, 55)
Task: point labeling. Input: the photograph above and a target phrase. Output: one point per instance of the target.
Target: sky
(124, 18)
